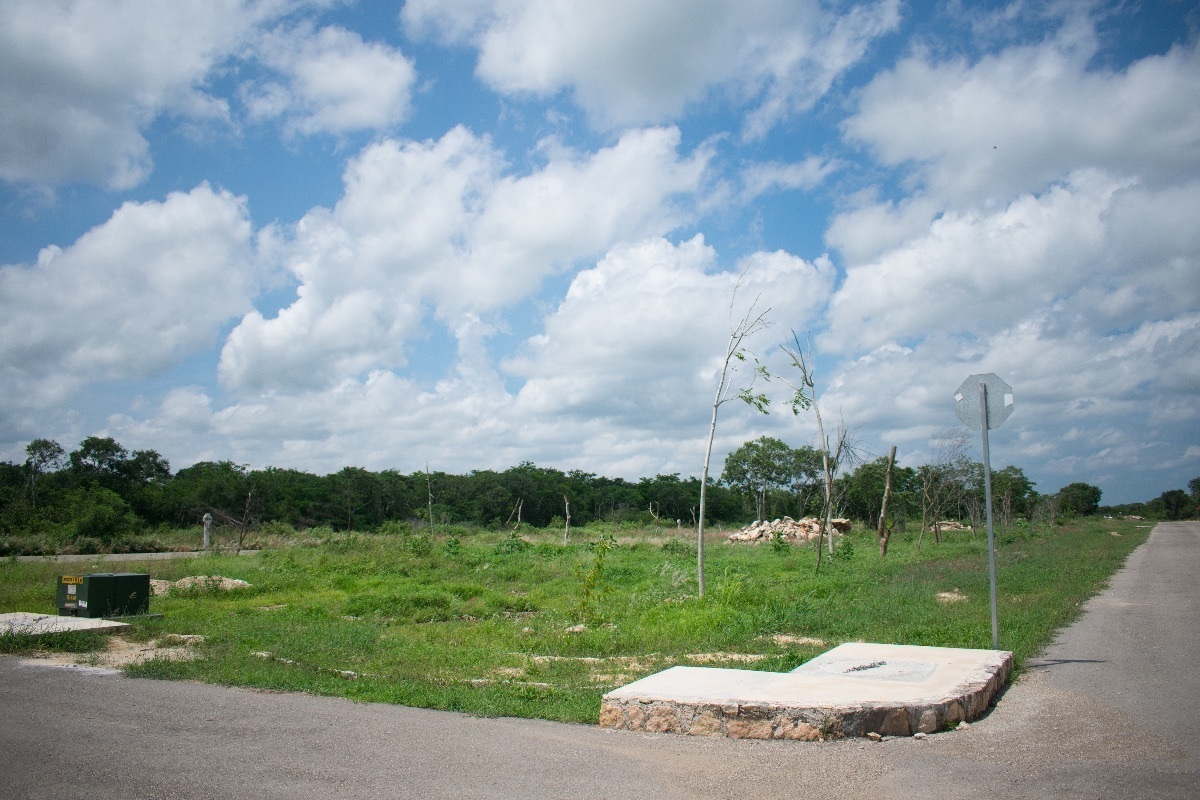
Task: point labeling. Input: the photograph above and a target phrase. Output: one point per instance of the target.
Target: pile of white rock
(804, 530)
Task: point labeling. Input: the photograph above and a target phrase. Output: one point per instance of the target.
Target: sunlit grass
(485, 627)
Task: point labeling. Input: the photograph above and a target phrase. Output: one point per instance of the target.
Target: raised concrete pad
(852, 690)
(39, 624)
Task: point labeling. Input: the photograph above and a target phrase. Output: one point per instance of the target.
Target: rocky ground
(804, 530)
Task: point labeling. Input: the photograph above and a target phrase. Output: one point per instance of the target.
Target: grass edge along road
(494, 624)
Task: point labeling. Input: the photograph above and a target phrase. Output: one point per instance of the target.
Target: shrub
(395, 527)
(101, 513)
(513, 544)
(677, 547)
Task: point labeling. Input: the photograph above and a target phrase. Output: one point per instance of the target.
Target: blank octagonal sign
(999, 401)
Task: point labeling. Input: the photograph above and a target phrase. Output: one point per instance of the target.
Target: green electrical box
(103, 594)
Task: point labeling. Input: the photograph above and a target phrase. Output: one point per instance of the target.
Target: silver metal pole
(987, 499)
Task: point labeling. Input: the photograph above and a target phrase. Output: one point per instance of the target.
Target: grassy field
(492, 624)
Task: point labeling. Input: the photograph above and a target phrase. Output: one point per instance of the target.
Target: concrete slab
(853, 690)
(39, 624)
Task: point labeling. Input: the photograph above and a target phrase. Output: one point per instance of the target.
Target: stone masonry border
(855, 689)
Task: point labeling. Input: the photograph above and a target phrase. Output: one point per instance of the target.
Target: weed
(513, 544)
(732, 587)
(61, 642)
(421, 544)
(441, 631)
(677, 547)
(591, 580)
(844, 550)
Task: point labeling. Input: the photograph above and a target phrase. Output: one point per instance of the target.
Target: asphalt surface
(1109, 711)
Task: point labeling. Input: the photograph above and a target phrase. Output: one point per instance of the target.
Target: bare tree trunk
(884, 531)
(245, 520)
(827, 511)
(567, 528)
(429, 493)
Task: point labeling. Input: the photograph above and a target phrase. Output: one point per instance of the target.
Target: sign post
(994, 405)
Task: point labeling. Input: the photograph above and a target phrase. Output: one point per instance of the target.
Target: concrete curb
(853, 690)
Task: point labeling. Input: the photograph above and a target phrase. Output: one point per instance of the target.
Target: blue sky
(471, 233)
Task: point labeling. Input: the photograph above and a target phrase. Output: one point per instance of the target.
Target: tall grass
(473, 621)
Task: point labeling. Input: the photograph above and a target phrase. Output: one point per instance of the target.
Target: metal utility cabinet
(104, 594)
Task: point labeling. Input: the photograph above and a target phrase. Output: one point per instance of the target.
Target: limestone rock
(804, 530)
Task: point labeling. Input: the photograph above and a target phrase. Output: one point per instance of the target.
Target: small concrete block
(855, 689)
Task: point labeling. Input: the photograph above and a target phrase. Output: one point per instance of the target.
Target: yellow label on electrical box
(76, 579)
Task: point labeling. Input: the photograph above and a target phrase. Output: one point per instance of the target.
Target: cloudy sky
(471, 233)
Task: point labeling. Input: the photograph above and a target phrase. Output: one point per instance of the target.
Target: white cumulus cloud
(331, 81)
(130, 298)
(1027, 116)
(440, 225)
(639, 61)
(80, 80)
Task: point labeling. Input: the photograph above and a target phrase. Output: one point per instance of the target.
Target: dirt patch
(784, 639)
(952, 596)
(121, 652)
(724, 658)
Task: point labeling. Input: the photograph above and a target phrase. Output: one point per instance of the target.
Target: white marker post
(995, 405)
(207, 519)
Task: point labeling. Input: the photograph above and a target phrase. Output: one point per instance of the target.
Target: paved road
(1109, 712)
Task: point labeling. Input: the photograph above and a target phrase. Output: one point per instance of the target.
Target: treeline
(105, 492)
(777, 479)
(101, 490)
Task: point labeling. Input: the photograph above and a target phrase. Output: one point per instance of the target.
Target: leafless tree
(241, 524)
(735, 354)
(833, 452)
(1045, 511)
(944, 479)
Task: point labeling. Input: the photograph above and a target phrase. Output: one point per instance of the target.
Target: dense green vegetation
(103, 498)
(487, 622)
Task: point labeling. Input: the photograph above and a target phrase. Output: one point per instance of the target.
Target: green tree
(806, 480)
(863, 490)
(289, 495)
(356, 492)
(758, 467)
(672, 497)
(219, 487)
(44, 456)
(1012, 494)
(1079, 499)
(102, 514)
(99, 458)
(145, 478)
(1173, 504)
